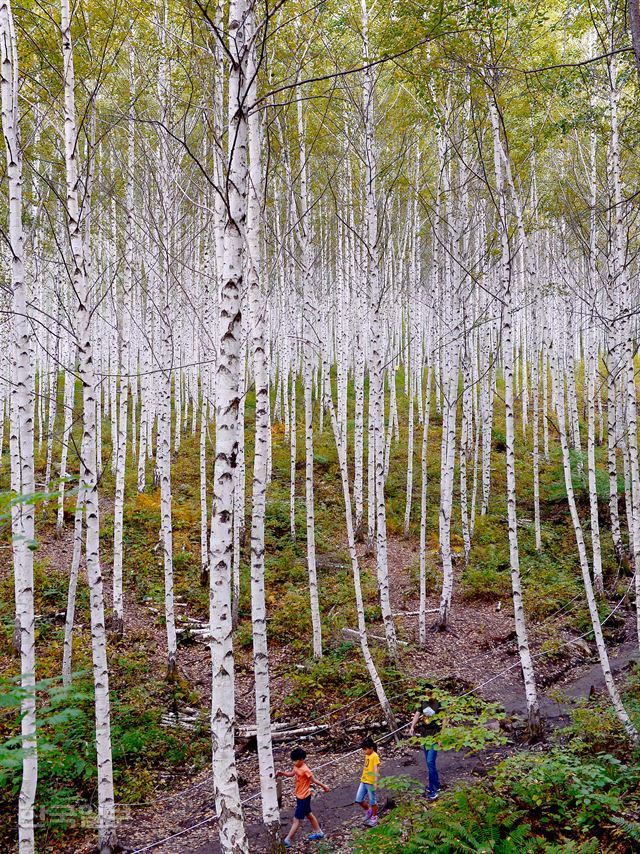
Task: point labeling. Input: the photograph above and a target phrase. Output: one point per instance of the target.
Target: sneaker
(287, 844)
(367, 815)
(314, 837)
(372, 822)
(433, 796)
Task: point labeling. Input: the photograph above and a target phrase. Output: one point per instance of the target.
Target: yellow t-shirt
(371, 762)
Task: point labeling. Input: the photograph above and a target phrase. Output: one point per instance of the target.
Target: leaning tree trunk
(528, 674)
(614, 695)
(376, 364)
(355, 565)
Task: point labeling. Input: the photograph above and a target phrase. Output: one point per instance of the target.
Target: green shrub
(469, 820)
(339, 671)
(488, 575)
(468, 722)
(593, 729)
(558, 789)
(66, 751)
(550, 580)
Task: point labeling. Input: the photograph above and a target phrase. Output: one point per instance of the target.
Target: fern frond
(631, 829)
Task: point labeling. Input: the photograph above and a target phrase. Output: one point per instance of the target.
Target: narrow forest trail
(479, 649)
(335, 809)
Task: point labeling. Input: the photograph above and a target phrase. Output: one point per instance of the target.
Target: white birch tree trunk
(309, 363)
(168, 348)
(107, 839)
(526, 662)
(124, 370)
(67, 648)
(376, 365)
(21, 434)
(233, 838)
(409, 493)
(422, 615)
(68, 397)
(535, 391)
(204, 515)
(591, 371)
(270, 812)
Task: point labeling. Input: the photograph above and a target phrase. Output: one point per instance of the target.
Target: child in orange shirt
(304, 779)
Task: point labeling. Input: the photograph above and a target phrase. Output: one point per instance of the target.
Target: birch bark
(309, 321)
(422, 616)
(167, 356)
(233, 838)
(107, 839)
(591, 370)
(270, 812)
(124, 368)
(526, 661)
(21, 433)
(376, 365)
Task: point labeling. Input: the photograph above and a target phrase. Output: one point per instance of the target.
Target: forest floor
(162, 764)
(478, 651)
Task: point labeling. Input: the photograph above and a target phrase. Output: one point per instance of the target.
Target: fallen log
(415, 613)
(280, 732)
(186, 720)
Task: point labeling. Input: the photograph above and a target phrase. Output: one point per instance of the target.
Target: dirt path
(335, 809)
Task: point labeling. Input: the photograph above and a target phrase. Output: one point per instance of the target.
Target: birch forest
(319, 397)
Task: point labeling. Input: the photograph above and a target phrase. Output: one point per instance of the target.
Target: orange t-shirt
(303, 781)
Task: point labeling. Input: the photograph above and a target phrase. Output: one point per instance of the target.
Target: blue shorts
(303, 808)
(368, 791)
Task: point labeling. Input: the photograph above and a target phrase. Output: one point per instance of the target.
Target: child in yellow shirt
(366, 795)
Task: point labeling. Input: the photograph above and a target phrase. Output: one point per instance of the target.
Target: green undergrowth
(142, 747)
(578, 794)
(143, 750)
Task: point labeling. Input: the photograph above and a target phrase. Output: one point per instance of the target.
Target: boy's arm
(318, 783)
(285, 774)
(414, 721)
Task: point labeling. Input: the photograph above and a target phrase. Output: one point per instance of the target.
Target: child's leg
(295, 827)
(361, 796)
(373, 800)
(434, 779)
(313, 821)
